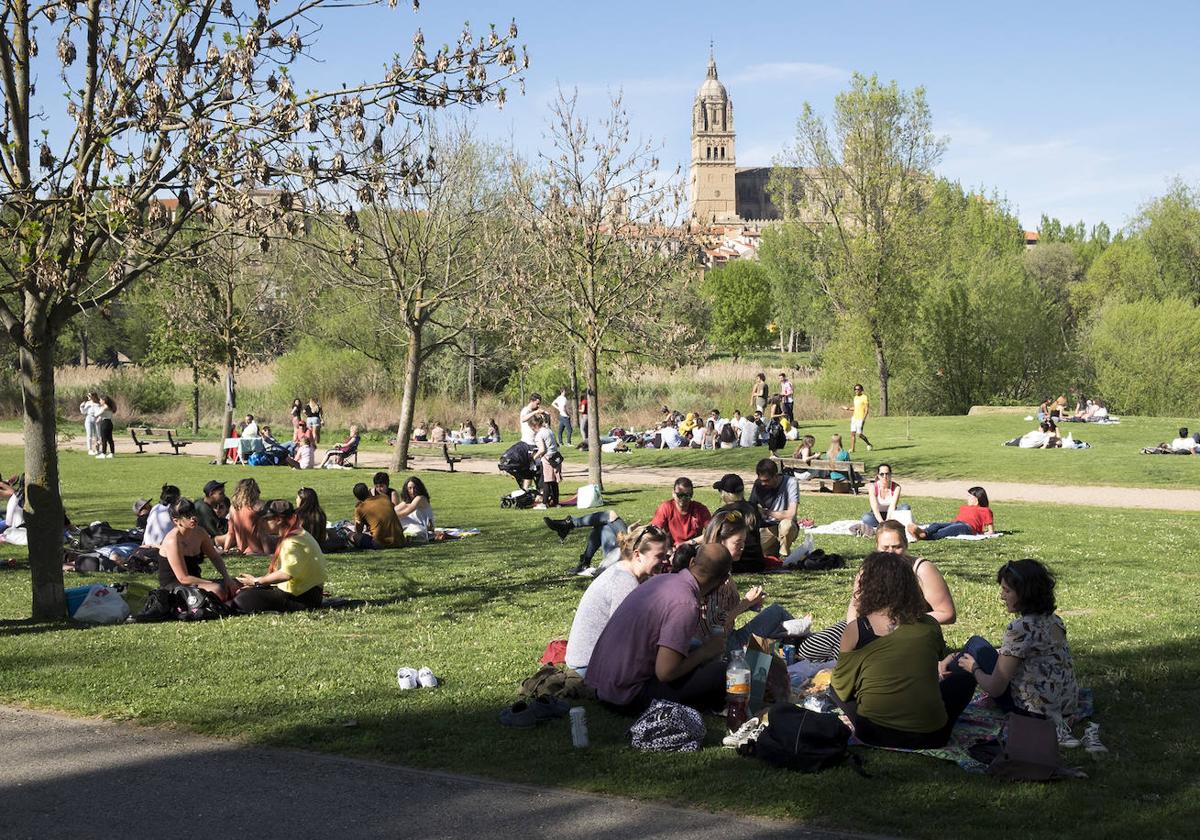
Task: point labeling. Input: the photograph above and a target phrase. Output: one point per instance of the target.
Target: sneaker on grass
(748, 731)
(1091, 739)
(1065, 738)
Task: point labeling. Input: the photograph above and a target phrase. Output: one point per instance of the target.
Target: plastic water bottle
(579, 734)
(737, 691)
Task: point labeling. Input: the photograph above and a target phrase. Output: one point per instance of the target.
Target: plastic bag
(103, 605)
(588, 496)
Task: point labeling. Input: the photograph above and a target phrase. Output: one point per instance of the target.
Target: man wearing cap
(214, 494)
(682, 516)
(777, 497)
(141, 512)
(733, 502)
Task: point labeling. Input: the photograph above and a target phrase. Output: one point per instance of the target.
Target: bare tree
(603, 251)
(171, 109)
(417, 233)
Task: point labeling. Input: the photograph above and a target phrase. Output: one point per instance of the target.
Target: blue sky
(1073, 109)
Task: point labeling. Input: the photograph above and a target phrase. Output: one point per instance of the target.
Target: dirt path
(573, 473)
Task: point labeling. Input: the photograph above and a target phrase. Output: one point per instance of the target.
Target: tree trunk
(83, 349)
(882, 366)
(592, 374)
(472, 397)
(412, 376)
(196, 402)
(521, 384)
(227, 417)
(782, 346)
(573, 403)
(43, 505)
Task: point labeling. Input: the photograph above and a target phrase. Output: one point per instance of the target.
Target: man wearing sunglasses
(682, 516)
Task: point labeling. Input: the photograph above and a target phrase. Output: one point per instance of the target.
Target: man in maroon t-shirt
(681, 516)
(644, 652)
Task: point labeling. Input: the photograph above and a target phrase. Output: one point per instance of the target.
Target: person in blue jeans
(603, 528)
(975, 517)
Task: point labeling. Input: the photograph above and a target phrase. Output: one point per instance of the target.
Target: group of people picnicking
(258, 446)
(466, 434)
(177, 534)
(660, 616)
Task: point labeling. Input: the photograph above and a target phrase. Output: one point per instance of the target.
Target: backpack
(802, 740)
(158, 607)
(195, 604)
(520, 501)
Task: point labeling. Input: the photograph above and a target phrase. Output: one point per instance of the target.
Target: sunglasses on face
(683, 497)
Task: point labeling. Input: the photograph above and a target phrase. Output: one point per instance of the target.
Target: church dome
(711, 88)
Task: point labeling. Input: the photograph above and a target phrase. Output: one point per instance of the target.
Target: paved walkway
(1148, 498)
(79, 779)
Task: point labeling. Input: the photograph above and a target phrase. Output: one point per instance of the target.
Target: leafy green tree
(739, 302)
(798, 305)
(858, 184)
(1170, 226)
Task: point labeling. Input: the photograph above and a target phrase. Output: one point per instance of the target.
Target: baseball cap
(730, 483)
(213, 485)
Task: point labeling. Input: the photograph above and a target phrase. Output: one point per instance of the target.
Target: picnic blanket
(841, 527)
(982, 720)
(456, 533)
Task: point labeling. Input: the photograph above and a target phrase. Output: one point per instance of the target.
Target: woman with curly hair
(893, 677)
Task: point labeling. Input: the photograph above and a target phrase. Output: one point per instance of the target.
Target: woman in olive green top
(891, 677)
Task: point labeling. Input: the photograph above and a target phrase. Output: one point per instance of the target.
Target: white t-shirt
(158, 525)
(1186, 444)
(251, 430)
(418, 524)
(527, 435)
(561, 404)
(670, 437)
(1033, 440)
(749, 432)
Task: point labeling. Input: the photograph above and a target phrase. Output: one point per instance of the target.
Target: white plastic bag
(102, 606)
(588, 496)
(799, 553)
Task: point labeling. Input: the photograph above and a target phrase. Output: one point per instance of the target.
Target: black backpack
(802, 740)
(521, 501)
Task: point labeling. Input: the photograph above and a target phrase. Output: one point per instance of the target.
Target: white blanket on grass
(841, 527)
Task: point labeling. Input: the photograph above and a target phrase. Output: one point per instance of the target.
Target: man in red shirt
(682, 517)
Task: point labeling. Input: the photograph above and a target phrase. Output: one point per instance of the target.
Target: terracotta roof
(1031, 236)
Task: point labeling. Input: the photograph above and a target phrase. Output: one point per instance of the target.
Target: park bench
(853, 470)
(143, 436)
(446, 448)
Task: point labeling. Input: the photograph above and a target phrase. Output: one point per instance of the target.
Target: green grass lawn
(480, 611)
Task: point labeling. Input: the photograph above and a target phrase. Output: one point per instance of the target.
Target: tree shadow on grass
(29, 626)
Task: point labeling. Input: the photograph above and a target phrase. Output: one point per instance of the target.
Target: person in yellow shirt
(296, 577)
(858, 420)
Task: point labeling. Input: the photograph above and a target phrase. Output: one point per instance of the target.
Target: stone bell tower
(711, 182)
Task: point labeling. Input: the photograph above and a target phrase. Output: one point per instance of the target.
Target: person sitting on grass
(381, 485)
(975, 517)
(645, 651)
(643, 552)
(214, 494)
(421, 432)
(777, 497)
(681, 515)
(245, 535)
(437, 434)
(891, 538)
(1033, 671)
(493, 431)
(887, 674)
(343, 451)
(160, 522)
(603, 529)
(184, 549)
(295, 578)
(311, 516)
(733, 500)
(375, 521)
(1183, 443)
(884, 497)
(415, 511)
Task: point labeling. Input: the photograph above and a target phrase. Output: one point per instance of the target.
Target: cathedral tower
(711, 183)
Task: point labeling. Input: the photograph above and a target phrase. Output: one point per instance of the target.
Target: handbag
(1030, 750)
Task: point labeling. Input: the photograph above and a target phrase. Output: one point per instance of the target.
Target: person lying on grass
(890, 537)
(296, 576)
(645, 653)
(643, 551)
(1033, 671)
(185, 547)
(975, 517)
(603, 529)
(891, 677)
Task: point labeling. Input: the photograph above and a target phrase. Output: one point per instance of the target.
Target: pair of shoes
(562, 527)
(1091, 739)
(1065, 738)
(528, 714)
(412, 678)
(748, 731)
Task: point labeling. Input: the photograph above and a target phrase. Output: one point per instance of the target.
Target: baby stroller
(517, 461)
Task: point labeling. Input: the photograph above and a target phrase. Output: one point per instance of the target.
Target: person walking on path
(565, 429)
(858, 419)
(104, 425)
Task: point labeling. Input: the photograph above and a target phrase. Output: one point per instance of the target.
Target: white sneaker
(1065, 738)
(1091, 739)
(748, 731)
(109, 455)
(869, 447)
(590, 571)
(798, 626)
(426, 679)
(407, 678)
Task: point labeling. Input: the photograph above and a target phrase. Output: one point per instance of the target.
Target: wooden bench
(144, 436)
(447, 447)
(855, 471)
